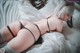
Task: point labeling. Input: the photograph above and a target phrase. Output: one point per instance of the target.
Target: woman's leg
(26, 38)
(23, 40)
(5, 33)
(14, 27)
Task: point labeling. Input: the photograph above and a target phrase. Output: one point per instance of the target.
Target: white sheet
(53, 43)
(15, 10)
(8, 12)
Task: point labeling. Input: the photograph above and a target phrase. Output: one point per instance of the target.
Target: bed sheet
(15, 10)
(12, 10)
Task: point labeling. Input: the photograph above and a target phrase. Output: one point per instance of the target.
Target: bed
(13, 10)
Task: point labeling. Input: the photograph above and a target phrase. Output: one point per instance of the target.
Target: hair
(64, 8)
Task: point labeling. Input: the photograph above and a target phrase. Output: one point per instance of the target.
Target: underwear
(39, 41)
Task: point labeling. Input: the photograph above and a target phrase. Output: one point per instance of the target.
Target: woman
(55, 42)
(29, 32)
(26, 38)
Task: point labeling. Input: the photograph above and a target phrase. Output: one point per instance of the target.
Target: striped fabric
(12, 10)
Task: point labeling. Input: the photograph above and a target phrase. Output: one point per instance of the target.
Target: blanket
(68, 42)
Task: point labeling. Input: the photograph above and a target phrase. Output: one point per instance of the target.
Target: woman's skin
(24, 38)
(15, 28)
